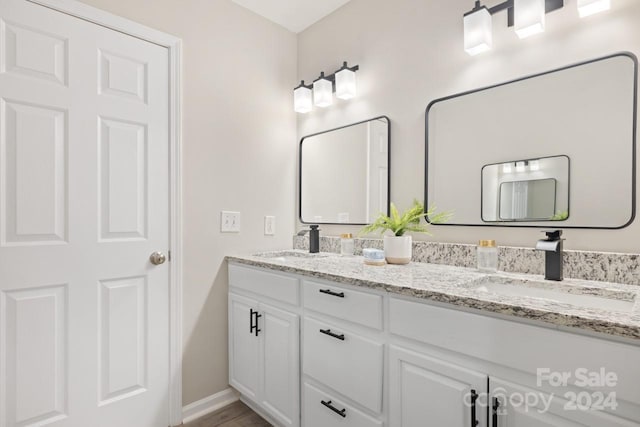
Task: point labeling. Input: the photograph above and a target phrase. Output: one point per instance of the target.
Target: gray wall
(239, 148)
(410, 53)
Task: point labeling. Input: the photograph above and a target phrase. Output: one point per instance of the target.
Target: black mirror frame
(633, 142)
(331, 130)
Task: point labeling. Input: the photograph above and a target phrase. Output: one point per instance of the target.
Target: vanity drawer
(344, 361)
(319, 414)
(272, 285)
(347, 304)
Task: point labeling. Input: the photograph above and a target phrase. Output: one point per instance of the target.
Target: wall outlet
(229, 222)
(269, 225)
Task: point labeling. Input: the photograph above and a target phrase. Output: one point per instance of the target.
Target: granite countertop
(609, 308)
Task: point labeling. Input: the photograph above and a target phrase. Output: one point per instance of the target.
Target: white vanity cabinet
(264, 344)
(316, 353)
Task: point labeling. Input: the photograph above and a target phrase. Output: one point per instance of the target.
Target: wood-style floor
(235, 415)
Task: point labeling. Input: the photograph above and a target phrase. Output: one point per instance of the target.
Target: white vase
(397, 249)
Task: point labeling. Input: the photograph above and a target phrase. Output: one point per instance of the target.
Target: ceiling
(294, 15)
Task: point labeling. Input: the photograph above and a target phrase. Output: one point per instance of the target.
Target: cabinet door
(425, 391)
(244, 346)
(280, 366)
(521, 406)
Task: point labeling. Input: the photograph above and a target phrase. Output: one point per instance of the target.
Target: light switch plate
(269, 225)
(229, 222)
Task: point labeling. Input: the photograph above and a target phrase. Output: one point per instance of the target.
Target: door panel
(35, 327)
(424, 388)
(84, 155)
(280, 372)
(244, 346)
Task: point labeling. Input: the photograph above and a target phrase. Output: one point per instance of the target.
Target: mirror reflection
(526, 190)
(585, 112)
(344, 174)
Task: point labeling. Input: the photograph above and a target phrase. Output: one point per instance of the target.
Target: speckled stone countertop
(609, 308)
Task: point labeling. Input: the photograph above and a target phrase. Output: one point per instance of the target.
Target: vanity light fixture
(506, 168)
(521, 166)
(342, 82)
(590, 7)
(534, 165)
(526, 16)
(302, 102)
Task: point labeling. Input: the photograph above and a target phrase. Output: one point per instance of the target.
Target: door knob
(157, 258)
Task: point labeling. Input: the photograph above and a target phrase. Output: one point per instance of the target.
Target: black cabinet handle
(496, 405)
(342, 412)
(331, 334)
(330, 292)
(474, 397)
(253, 321)
(251, 325)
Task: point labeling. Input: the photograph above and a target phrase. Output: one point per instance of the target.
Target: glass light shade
(302, 100)
(478, 36)
(589, 7)
(345, 84)
(322, 93)
(529, 17)
(534, 165)
(506, 168)
(520, 166)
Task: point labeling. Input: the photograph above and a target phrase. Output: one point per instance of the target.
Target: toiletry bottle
(314, 239)
(487, 256)
(347, 244)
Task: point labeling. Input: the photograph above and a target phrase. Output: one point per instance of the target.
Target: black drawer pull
(331, 334)
(474, 397)
(254, 327)
(330, 292)
(341, 412)
(496, 405)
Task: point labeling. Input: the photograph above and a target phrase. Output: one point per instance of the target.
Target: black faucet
(552, 247)
(314, 239)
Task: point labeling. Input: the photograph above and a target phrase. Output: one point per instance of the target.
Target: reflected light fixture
(529, 17)
(322, 91)
(590, 7)
(534, 165)
(342, 82)
(478, 37)
(521, 166)
(302, 102)
(526, 16)
(506, 168)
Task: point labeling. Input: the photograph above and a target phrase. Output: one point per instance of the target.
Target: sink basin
(289, 255)
(576, 295)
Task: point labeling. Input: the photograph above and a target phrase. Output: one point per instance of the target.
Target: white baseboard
(209, 404)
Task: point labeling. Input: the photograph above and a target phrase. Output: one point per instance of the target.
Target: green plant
(408, 221)
(560, 216)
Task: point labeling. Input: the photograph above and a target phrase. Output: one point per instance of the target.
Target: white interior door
(83, 203)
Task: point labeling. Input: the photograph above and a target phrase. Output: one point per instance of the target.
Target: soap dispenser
(314, 239)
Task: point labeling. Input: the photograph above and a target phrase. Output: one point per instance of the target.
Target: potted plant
(398, 246)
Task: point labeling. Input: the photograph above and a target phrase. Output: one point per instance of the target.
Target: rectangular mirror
(526, 190)
(344, 174)
(584, 113)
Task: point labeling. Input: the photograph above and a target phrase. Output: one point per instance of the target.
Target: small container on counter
(373, 256)
(347, 244)
(487, 256)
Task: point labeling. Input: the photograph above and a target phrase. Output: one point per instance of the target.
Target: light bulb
(590, 7)
(302, 99)
(322, 92)
(345, 83)
(529, 17)
(534, 165)
(506, 168)
(478, 36)
(520, 166)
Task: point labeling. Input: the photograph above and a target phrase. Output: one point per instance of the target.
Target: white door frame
(174, 46)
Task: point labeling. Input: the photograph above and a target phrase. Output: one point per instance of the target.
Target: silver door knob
(157, 258)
